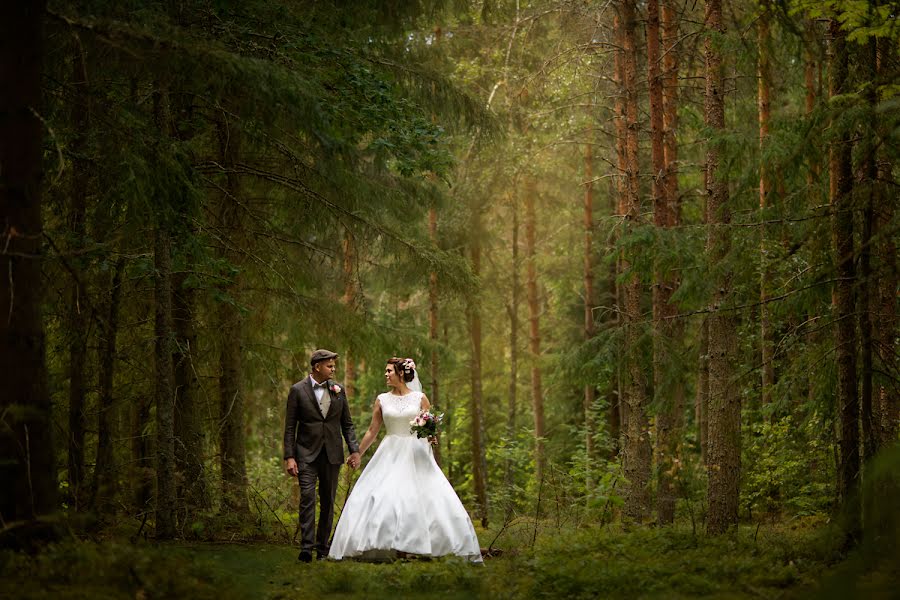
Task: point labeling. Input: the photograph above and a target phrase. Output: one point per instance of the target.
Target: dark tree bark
(534, 316)
(189, 434)
(724, 421)
(165, 396)
(231, 336)
(28, 469)
(616, 416)
(867, 288)
(166, 492)
(637, 438)
(105, 473)
(841, 188)
(701, 403)
(78, 316)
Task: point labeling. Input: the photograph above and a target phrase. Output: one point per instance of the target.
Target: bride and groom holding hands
(401, 503)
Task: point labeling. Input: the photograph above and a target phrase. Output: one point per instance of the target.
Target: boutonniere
(336, 388)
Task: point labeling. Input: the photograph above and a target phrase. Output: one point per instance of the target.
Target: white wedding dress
(402, 501)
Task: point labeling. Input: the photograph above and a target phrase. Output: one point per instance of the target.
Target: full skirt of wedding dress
(403, 502)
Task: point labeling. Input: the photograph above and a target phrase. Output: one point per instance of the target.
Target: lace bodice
(398, 411)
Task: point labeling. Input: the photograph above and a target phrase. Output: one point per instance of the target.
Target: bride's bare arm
(425, 405)
(374, 428)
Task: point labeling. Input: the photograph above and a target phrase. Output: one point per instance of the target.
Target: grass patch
(571, 563)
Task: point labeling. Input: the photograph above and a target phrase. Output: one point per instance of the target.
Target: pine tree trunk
(141, 453)
(534, 316)
(701, 403)
(841, 187)
(106, 474)
(670, 103)
(589, 388)
(232, 455)
(724, 419)
(668, 384)
(813, 173)
(867, 289)
(165, 392)
(637, 438)
(764, 109)
(433, 331)
(78, 318)
(479, 457)
(28, 469)
(887, 397)
(616, 416)
(350, 300)
(513, 310)
(189, 434)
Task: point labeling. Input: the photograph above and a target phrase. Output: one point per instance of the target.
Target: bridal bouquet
(427, 425)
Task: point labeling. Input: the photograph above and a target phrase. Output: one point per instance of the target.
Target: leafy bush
(787, 468)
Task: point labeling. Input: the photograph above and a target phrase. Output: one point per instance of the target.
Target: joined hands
(353, 460)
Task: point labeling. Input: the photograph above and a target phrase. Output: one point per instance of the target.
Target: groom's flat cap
(320, 355)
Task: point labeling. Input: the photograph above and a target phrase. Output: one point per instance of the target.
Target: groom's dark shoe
(305, 556)
(321, 555)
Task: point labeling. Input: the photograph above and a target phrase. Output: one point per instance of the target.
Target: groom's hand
(353, 461)
(290, 465)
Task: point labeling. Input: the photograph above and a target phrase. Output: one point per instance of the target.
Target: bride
(402, 502)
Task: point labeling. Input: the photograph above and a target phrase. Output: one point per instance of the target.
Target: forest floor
(794, 561)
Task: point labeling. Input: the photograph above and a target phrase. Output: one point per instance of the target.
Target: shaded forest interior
(644, 254)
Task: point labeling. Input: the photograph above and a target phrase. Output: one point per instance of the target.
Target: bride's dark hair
(403, 369)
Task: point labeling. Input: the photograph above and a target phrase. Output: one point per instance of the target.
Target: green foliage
(787, 468)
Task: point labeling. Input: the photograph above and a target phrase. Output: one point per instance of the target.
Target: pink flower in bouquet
(426, 425)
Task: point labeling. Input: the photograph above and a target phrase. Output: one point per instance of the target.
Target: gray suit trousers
(327, 475)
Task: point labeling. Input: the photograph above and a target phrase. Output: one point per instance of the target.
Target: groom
(318, 415)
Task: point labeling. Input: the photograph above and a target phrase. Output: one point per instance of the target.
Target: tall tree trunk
(886, 332)
(189, 446)
(164, 344)
(349, 299)
(841, 187)
(724, 441)
(637, 438)
(165, 393)
(433, 316)
(106, 475)
(231, 394)
(534, 316)
(867, 288)
(701, 403)
(617, 414)
(28, 469)
(813, 175)
(667, 381)
(764, 108)
(141, 451)
(513, 310)
(670, 104)
(479, 457)
(78, 318)
(590, 390)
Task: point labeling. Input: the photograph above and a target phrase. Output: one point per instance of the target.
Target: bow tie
(320, 385)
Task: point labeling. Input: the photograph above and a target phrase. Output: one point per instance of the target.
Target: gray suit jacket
(307, 432)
